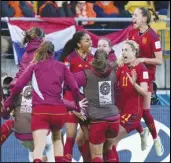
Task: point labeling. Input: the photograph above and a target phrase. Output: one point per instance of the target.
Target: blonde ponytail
(45, 50)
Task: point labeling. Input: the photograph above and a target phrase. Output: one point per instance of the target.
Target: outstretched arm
(21, 82)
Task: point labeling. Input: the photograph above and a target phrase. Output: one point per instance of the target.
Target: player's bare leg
(96, 152)
(39, 137)
(58, 145)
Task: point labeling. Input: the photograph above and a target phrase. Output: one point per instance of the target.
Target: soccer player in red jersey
(76, 57)
(133, 86)
(106, 45)
(150, 55)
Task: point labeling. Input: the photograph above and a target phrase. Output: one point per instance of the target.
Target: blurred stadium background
(129, 148)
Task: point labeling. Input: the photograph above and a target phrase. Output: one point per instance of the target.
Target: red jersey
(75, 63)
(149, 43)
(130, 101)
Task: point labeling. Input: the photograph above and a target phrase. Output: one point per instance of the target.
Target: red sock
(97, 159)
(109, 156)
(85, 151)
(68, 149)
(150, 122)
(6, 130)
(37, 160)
(115, 153)
(59, 159)
(140, 128)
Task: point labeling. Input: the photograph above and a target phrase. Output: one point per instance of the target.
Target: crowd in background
(78, 8)
(81, 9)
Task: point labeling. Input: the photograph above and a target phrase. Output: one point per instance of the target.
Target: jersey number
(125, 81)
(125, 118)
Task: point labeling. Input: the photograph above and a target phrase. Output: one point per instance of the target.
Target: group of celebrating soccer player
(107, 96)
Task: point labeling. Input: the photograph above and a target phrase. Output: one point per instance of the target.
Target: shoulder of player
(121, 68)
(152, 34)
(133, 31)
(140, 67)
(70, 56)
(59, 63)
(90, 57)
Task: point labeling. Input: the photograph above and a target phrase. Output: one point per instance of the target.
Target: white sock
(30, 156)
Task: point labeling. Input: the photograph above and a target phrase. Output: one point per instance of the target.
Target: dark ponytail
(68, 48)
(146, 13)
(155, 14)
(71, 45)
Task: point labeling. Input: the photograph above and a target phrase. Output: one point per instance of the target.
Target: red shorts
(71, 118)
(99, 131)
(130, 122)
(150, 87)
(48, 121)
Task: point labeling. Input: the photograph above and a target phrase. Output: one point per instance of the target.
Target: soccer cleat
(158, 147)
(144, 137)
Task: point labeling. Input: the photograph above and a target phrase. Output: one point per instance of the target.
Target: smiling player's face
(85, 43)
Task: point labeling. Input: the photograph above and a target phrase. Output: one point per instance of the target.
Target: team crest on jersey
(144, 40)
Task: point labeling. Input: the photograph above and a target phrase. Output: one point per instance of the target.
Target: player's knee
(56, 135)
(71, 130)
(108, 144)
(79, 140)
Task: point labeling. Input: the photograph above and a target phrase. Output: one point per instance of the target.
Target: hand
(80, 115)
(133, 77)
(137, 61)
(83, 103)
